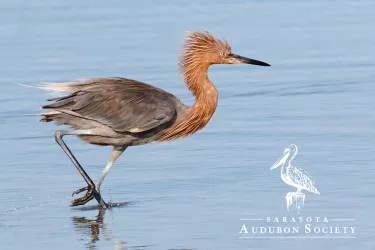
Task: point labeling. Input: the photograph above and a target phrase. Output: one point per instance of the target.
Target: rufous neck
(202, 88)
(206, 98)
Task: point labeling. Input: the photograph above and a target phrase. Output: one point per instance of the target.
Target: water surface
(191, 194)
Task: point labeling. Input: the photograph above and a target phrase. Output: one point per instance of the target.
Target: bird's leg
(91, 193)
(116, 152)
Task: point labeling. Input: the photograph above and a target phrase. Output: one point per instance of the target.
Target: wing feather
(303, 178)
(120, 103)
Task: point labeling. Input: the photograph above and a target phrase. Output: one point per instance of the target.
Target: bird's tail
(49, 116)
(70, 87)
(63, 87)
(54, 87)
(47, 86)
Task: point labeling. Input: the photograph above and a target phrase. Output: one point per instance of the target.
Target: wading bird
(120, 112)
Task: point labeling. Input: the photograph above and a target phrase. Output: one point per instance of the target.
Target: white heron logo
(294, 177)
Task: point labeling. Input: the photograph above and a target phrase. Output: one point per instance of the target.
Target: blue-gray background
(318, 94)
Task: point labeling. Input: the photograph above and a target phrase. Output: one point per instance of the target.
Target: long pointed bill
(236, 59)
(281, 161)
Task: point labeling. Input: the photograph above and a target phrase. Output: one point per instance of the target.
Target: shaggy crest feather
(199, 50)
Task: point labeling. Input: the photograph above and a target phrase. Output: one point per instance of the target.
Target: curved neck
(206, 98)
(291, 158)
(204, 91)
(197, 116)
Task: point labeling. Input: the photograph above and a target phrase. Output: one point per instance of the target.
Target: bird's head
(290, 151)
(203, 49)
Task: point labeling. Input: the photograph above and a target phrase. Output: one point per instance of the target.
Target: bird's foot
(90, 194)
(84, 199)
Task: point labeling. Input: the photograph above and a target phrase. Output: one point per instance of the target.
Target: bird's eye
(222, 54)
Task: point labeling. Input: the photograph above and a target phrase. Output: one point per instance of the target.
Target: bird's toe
(80, 190)
(84, 199)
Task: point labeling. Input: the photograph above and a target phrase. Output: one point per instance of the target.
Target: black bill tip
(259, 63)
(241, 59)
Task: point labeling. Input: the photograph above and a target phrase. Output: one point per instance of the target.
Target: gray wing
(120, 103)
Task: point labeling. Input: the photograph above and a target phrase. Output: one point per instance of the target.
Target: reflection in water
(86, 226)
(94, 227)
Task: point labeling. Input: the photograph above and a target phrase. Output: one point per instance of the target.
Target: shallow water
(192, 194)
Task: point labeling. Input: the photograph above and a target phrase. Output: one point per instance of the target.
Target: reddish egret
(120, 112)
